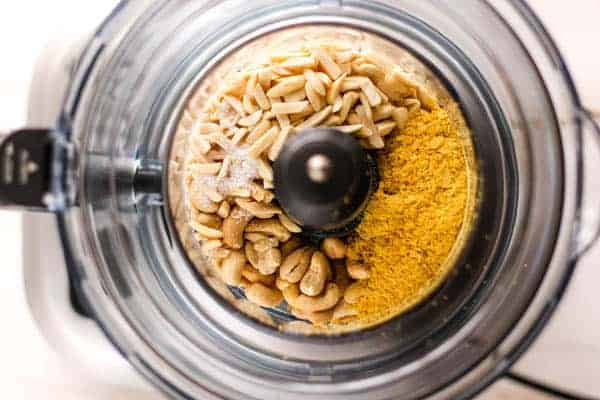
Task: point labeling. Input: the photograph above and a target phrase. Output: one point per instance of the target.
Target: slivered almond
(298, 95)
(333, 120)
(299, 63)
(282, 56)
(284, 120)
(376, 142)
(316, 119)
(353, 119)
(337, 104)
(239, 192)
(386, 127)
(281, 71)
(251, 119)
(348, 101)
(268, 185)
(349, 128)
(265, 76)
(370, 70)
(325, 78)
(239, 135)
(313, 81)
(382, 112)
(367, 122)
(236, 104)
(251, 83)
(317, 102)
(342, 57)
(261, 98)
(263, 143)
(329, 66)
(287, 86)
(352, 83)
(265, 171)
(258, 131)
(220, 139)
(334, 91)
(211, 193)
(224, 168)
(366, 105)
(290, 108)
(370, 91)
(346, 68)
(205, 168)
(201, 143)
(205, 128)
(400, 116)
(249, 106)
(278, 144)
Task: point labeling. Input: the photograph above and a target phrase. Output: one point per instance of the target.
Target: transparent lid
(192, 342)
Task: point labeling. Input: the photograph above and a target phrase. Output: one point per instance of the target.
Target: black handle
(26, 158)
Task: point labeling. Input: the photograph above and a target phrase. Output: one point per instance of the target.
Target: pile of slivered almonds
(228, 174)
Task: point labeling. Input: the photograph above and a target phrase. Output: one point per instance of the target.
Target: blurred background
(564, 357)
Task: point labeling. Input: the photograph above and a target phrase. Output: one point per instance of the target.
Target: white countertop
(567, 354)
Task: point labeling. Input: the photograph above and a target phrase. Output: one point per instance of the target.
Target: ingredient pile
(401, 250)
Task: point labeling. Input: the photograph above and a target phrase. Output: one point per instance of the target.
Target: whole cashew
(305, 303)
(318, 317)
(233, 228)
(343, 310)
(251, 255)
(354, 292)
(232, 266)
(259, 294)
(293, 244)
(295, 265)
(254, 276)
(334, 248)
(313, 282)
(271, 227)
(259, 210)
(269, 261)
(358, 272)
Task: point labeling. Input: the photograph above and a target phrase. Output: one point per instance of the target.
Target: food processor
(103, 170)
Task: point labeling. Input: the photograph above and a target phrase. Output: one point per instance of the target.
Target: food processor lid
(118, 130)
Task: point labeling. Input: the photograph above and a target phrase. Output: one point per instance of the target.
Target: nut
(260, 294)
(289, 224)
(293, 244)
(334, 248)
(295, 265)
(224, 210)
(231, 269)
(358, 271)
(281, 284)
(206, 231)
(271, 227)
(343, 310)
(233, 228)
(305, 303)
(265, 244)
(210, 220)
(252, 275)
(251, 255)
(269, 261)
(354, 292)
(255, 237)
(318, 317)
(313, 282)
(342, 279)
(259, 210)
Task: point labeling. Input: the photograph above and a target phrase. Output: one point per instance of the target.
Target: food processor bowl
(109, 184)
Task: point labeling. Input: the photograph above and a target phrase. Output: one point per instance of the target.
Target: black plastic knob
(323, 179)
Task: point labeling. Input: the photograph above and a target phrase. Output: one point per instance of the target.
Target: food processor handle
(589, 229)
(31, 170)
